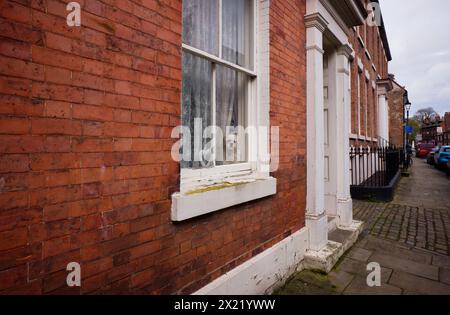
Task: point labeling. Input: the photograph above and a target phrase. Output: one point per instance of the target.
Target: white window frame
(253, 176)
(190, 176)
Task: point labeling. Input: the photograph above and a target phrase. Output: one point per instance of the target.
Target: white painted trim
(367, 74)
(360, 65)
(187, 206)
(216, 172)
(217, 60)
(374, 67)
(262, 273)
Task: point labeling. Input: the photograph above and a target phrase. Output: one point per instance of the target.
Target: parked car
(424, 149)
(448, 168)
(442, 157)
(430, 156)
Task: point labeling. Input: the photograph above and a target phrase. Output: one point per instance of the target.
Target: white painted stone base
(318, 231)
(264, 272)
(325, 258)
(345, 212)
(356, 227)
(333, 223)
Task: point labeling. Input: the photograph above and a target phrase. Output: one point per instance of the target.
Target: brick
(12, 239)
(15, 12)
(22, 69)
(14, 163)
(58, 75)
(21, 144)
(57, 109)
(16, 49)
(20, 106)
(97, 113)
(13, 277)
(58, 42)
(15, 86)
(57, 92)
(56, 58)
(46, 126)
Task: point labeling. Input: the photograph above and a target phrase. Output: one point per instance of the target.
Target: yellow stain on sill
(220, 186)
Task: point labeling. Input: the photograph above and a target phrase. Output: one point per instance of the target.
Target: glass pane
(231, 100)
(200, 25)
(237, 32)
(196, 110)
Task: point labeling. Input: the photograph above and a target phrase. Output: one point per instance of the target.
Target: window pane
(200, 24)
(196, 110)
(237, 32)
(231, 102)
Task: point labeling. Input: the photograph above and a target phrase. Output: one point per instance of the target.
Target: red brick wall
(396, 115)
(86, 173)
(447, 122)
(373, 44)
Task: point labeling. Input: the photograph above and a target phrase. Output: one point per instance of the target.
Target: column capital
(316, 20)
(384, 86)
(346, 51)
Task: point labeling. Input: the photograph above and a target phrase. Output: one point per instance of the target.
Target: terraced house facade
(195, 146)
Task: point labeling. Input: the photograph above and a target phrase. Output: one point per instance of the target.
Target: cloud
(418, 36)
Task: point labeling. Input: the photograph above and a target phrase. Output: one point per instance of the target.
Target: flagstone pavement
(408, 237)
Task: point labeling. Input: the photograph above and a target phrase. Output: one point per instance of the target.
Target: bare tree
(426, 115)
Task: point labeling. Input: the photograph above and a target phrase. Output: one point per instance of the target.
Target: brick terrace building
(447, 122)
(370, 84)
(396, 114)
(87, 117)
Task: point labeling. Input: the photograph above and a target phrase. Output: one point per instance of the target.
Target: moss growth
(308, 282)
(214, 188)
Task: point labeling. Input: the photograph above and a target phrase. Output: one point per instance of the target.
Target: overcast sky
(419, 37)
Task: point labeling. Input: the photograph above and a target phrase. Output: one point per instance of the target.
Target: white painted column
(386, 119)
(343, 108)
(316, 219)
(382, 115)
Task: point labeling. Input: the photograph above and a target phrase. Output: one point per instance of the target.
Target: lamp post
(407, 105)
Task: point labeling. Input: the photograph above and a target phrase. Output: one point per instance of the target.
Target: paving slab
(359, 287)
(422, 270)
(417, 284)
(359, 268)
(444, 275)
(340, 279)
(398, 250)
(359, 254)
(442, 261)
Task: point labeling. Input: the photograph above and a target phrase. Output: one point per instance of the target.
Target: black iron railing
(374, 166)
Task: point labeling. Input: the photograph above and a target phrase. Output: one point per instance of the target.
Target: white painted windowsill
(194, 204)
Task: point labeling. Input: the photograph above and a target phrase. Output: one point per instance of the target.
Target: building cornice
(351, 11)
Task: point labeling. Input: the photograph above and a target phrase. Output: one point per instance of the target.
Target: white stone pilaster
(343, 97)
(316, 219)
(384, 86)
